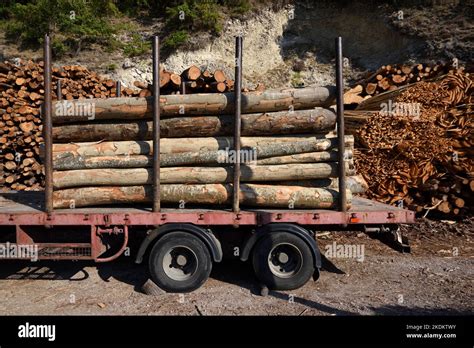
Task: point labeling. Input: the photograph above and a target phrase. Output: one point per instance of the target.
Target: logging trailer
(180, 245)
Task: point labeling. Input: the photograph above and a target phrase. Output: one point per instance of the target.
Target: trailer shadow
(123, 270)
(229, 271)
(241, 274)
(44, 270)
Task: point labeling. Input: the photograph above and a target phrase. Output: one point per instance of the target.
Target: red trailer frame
(25, 211)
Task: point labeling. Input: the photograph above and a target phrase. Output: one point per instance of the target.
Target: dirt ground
(435, 278)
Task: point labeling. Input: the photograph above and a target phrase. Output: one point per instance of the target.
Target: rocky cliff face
(295, 45)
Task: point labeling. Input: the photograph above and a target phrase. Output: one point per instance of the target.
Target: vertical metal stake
(59, 91)
(340, 127)
(118, 89)
(48, 125)
(237, 121)
(156, 124)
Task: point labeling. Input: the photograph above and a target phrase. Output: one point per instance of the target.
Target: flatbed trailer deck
(27, 208)
(180, 245)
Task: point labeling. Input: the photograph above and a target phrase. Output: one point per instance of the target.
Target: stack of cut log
(420, 153)
(289, 156)
(391, 77)
(192, 80)
(21, 94)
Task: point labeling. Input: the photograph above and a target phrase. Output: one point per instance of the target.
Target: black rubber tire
(262, 269)
(169, 241)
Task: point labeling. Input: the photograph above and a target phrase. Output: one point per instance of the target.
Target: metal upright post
(237, 121)
(59, 92)
(118, 89)
(156, 124)
(340, 127)
(48, 125)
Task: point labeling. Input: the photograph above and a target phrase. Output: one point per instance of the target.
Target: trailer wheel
(180, 262)
(283, 261)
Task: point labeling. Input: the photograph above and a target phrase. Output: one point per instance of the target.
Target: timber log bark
(213, 194)
(191, 104)
(69, 162)
(177, 145)
(194, 175)
(354, 183)
(282, 122)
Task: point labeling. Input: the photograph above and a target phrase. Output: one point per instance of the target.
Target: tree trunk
(194, 175)
(309, 157)
(275, 123)
(215, 194)
(191, 104)
(192, 73)
(69, 162)
(355, 183)
(177, 145)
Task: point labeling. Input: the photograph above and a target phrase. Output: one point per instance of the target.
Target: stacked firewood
(416, 145)
(192, 80)
(195, 80)
(392, 77)
(21, 95)
(289, 151)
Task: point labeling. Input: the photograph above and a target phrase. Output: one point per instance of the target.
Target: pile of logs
(192, 80)
(391, 77)
(21, 95)
(289, 150)
(415, 145)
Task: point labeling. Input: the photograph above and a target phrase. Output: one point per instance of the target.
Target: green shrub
(175, 39)
(238, 7)
(76, 23)
(195, 15)
(137, 46)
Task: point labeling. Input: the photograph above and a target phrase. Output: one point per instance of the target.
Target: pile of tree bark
(289, 150)
(21, 95)
(415, 145)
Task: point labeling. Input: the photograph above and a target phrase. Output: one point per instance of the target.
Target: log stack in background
(422, 161)
(390, 77)
(192, 80)
(21, 94)
(290, 156)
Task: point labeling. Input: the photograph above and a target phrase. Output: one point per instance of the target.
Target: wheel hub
(180, 263)
(285, 260)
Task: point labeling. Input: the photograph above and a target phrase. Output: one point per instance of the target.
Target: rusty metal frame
(209, 218)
